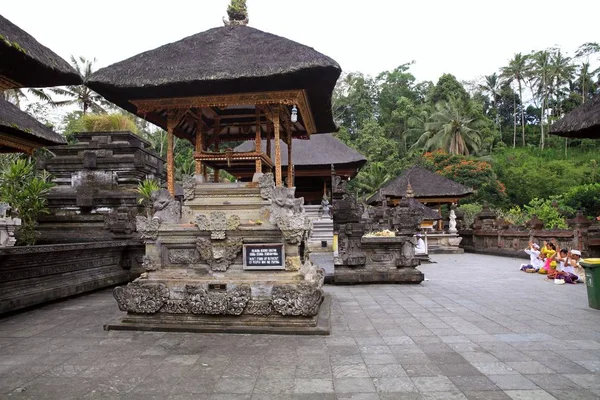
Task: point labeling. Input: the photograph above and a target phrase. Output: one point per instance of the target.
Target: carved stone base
(319, 324)
(355, 276)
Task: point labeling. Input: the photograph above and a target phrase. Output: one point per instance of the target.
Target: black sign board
(264, 256)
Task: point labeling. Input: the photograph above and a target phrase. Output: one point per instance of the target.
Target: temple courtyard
(477, 328)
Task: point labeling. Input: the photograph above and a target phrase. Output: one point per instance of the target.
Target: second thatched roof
(24, 62)
(582, 122)
(224, 60)
(424, 183)
(20, 131)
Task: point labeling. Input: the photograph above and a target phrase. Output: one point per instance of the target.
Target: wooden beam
(198, 147)
(276, 139)
(257, 142)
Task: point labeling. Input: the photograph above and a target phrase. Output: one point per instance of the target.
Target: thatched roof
(320, 150)
(582, 122)
(24, 62)
(224, 60)
(424, 183)
(17, 127)
(428, 213)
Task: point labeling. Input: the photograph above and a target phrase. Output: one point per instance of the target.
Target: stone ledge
(355, 276)
(318, 325)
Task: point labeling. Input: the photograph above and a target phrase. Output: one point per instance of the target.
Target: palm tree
(561, 72)
(81, 95)
(542, 74)
(15, 96)
(517, 70)
(454, 127)
(491, 87)
(373, 177)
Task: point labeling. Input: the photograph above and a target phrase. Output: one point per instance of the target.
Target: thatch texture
(320, 150)
(428, 213)
(424, 183)
(20, 126)
(224, 60)
(582, 122)
(27, 63)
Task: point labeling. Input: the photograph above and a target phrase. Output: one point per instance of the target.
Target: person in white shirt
(420, 248)
(535, 263)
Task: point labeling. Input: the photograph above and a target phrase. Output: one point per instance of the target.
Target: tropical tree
(492, 87)
(516, 71)
(81, 95)
(371, 178)
(561, 73)
(541, 73)
(454, 126)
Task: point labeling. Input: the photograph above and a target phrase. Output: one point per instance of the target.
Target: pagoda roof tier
(19, 132)
(221, 78)
(583, 122)
(24, 62)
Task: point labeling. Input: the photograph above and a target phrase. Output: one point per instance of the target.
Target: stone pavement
(477, 329)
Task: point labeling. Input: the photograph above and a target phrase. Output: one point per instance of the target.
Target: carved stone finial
(409, 191)
(237, 13)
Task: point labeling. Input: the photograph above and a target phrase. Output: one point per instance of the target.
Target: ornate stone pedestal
(229, 261)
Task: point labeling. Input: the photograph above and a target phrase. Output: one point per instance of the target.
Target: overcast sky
(465, 38)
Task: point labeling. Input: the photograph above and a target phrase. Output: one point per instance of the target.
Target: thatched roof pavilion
(227, 83)
(19, 132)
(24, 62)
(312, 160)
(583, 122)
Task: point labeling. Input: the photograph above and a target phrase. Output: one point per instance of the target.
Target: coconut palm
(517, 70)
(453, 126)
(371, 178)
(541, 72)
(561, 73)
(81, 95)
(492, 86)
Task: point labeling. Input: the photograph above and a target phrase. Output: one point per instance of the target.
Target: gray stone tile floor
(476, 329)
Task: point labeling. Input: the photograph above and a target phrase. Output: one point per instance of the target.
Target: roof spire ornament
(409, 191)
(237, 13)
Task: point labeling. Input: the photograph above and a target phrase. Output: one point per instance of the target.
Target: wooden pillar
(290, 167)
(276, 139)
(269, 130)
(216, 171)
(257, 144)
(198, 148)
(441, 221)
(171, 123)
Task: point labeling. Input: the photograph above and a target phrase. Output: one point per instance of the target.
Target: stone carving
(231, 302)
(148, 228)
(325, 208)
(139, 297)
(183, 256)
(289, 215)
(176, 307)
(219, 255)
(406, 220)
(302, 299)
(148, 263)
(8, 226)
(121, 221)
(292, 263)
(189, 187)
(452, 223)
(295, 228)
(166, 208)
(4, 209)
(259, 307)
(217, 223)
(266, 184)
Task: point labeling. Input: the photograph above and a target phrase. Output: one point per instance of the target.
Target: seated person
(549, 254)
(535, 263)
(572, 266)
(558, 271)
(420, 248)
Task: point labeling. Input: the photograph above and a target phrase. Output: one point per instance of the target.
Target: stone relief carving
(292, 263)
(148, 263)
(183, 256)
(266, 184)
(139, 297)
(189, 187)
(217, 223)
(148, 228)
(121, 221)
(231, 302)
(259, 307)
(166, 208)
(302, 299)
(219, 255)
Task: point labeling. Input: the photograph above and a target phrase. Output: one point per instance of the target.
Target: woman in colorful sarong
(549, 253)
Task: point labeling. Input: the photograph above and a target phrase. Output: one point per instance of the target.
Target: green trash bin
(592, 280)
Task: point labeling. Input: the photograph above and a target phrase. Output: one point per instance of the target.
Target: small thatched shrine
(582, 123)
(312, 160)
(24, 62)
(231, 257)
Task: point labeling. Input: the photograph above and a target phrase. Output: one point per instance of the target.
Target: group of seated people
(561, 265)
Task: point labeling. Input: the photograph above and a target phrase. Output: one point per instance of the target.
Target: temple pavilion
(24, 62)
(429, 188)
(312, 160)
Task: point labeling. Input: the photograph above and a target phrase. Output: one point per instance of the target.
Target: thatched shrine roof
(428, 213)
(320, 150)
(19, 132)
(24, 62)
(229, 60)
(424, 183)
(582, 122)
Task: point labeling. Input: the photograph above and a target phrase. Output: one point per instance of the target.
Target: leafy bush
(546, 212)
(78, 122)
(25, 190)
(145, 189)
(515, 215)
(469, 211)
(585, 198)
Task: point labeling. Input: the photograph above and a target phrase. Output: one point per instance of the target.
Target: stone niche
(363, 258)
(206, 271)
(95, 195)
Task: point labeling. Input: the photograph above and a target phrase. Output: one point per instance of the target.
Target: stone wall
(32, 275)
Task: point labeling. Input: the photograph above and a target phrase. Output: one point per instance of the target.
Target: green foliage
(237, 10)
(25, 190)
(585, 198)
(469, 211)
(447, 88)
(514, 215)
(371, 178)
(79, 122)
(545, 210)
(145, 189)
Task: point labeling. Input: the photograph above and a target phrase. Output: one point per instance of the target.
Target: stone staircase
(322, 230)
